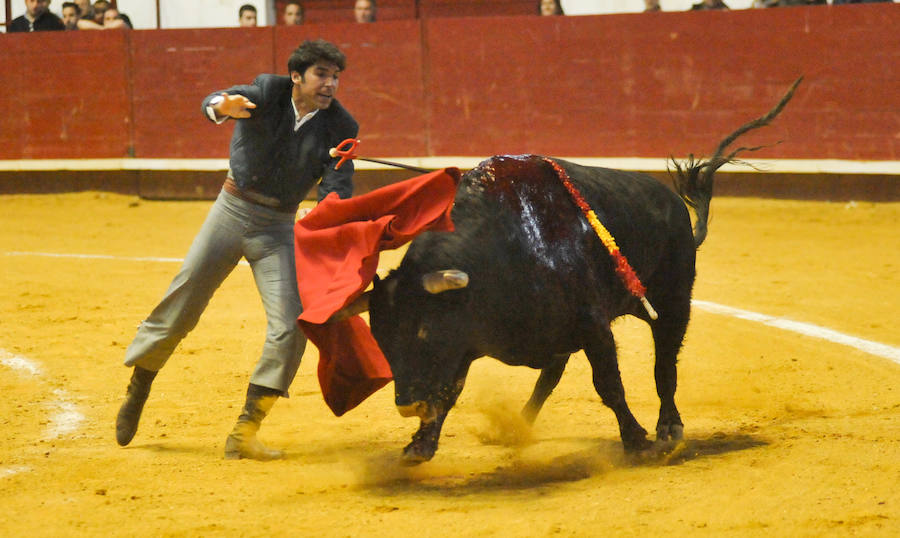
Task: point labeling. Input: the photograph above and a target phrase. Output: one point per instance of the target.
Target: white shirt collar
(298, 121)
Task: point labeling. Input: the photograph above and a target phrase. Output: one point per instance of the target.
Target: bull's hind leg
(601, 353)
(668, 334)
(547, 381)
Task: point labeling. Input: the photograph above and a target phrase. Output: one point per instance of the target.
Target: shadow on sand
(386, 475)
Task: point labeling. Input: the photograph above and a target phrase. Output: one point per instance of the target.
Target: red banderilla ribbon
(626, 274)
(350, 153)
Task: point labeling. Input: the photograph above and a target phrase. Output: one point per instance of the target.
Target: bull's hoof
(416, 453)
(636, 446)
(636, 441)
(669, 432)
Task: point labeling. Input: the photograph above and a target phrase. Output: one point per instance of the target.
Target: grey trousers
(233, 229)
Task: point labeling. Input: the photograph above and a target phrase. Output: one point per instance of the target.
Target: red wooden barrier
(640, 85)
(337, 11)
(476, 8)
(64, 95)
(650, 85)
(173, 70)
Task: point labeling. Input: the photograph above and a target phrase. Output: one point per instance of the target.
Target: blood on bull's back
(540, 276)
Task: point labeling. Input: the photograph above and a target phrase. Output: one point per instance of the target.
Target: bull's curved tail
(693, 179)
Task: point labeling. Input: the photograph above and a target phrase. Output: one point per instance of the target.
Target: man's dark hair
(311, 52)
(246, 7)
(126, 19)
(72, 4)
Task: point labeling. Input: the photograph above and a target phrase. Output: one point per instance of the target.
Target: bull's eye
(423, 333)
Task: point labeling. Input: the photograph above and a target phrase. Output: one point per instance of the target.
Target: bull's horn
(358, 306)
(448, 279)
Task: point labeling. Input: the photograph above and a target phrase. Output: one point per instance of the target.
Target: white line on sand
(19, 364)
(806, 329)
(66, 419)
(13, 469)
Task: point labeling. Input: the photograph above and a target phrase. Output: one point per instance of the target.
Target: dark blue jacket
(268, 157)
(47, 21)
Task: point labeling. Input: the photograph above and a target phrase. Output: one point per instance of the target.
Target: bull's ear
(358, 306)
(448, 279)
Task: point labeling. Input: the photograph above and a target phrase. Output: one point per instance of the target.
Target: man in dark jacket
(37, 18)
(285, 127)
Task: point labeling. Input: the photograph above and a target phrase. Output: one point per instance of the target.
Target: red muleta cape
(336, 248)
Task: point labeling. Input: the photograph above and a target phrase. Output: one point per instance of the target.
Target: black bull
(525, 279)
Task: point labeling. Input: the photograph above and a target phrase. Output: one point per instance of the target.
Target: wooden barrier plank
(634, 85)
(648, 85)
(175, 69)
(477, 8)
(64, 95)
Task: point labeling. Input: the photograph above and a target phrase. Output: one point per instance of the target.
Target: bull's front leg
(425, 441)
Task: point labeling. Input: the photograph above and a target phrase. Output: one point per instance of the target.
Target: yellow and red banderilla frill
(623, 268)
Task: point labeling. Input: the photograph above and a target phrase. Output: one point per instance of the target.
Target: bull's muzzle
(419, 409)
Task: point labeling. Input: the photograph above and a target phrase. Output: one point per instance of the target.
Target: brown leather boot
(135, 397)
(242, 441)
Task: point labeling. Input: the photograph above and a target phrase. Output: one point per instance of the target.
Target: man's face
(36, 8)
(70, 17)
(364, 11)
(99, 9)
(247, 19)
(548, 7)
(110, 15)
(316, 88)
(292, 15)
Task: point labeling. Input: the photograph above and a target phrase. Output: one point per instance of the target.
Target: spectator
(789, 3)
(651, 5)
(113, 19)
(247, 16)
(709, 4)
(85, 9)
(70, 15)
(550, 7)
(364, 10)
(100, 7)
(37, 18)
(293, 14)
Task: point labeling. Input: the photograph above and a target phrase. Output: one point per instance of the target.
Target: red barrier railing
(637, 85)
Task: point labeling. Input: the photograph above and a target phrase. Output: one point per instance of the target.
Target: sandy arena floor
(787, 434)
